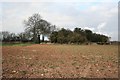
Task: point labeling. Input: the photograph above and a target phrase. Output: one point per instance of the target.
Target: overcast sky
(98, 16)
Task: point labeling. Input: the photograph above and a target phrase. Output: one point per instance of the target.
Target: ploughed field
(60, 61)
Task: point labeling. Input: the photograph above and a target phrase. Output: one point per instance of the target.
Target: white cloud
(100, 29)
(90, 28)
(101, 25)
(98, 17)
(59, 0)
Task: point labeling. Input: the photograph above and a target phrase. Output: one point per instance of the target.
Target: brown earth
(60, 61)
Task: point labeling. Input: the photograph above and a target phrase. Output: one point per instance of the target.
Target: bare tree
(31, 25)
(38, 26)
(45, 28)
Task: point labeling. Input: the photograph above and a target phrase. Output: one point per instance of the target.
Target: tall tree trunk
(34, 36)
(42, 38)
(39, 39)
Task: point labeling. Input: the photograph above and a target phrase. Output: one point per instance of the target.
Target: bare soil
(60, 61)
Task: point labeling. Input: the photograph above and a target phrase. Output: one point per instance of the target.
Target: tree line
(36, 26)
(12, 37)
(77, 36)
